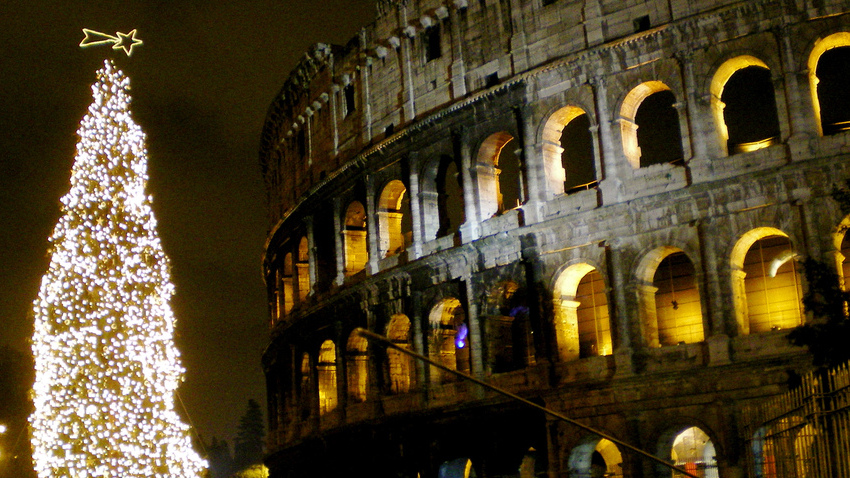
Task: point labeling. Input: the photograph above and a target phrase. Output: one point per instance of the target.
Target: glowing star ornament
(107, 369)
(121, 41)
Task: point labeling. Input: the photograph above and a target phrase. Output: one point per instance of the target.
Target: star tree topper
(121, 41)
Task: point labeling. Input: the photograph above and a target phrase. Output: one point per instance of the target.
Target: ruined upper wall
(421, 56)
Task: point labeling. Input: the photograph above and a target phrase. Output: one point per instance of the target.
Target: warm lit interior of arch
(718, 82)
(766, 283)
(836, 40)
(498, 178)
(401, 367)
(628, 112)
(841, 242)
(327, 377)
(391, 240)
(694, 451)
(357, 363)
(449, 344)
(678, 312)
(306, 377)
(354, 234)
(303, 268)
(582, 323)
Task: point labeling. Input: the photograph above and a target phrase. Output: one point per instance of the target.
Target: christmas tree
(106, 366)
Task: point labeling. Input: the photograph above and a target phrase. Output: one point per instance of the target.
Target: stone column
(800, 108)
(531, 165)
(339, 246)
(458, 69)
(312, 265)
(609, 172)
(372, 238)
(471, 229)
(476, 344)
(415, 205)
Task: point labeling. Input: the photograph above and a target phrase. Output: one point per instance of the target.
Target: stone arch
(669, 298)
(303, 269)
(690, 448)
(832, 115)
(841, 251)
(449, 342)
(499, 175)
(741, 90)
(394, 224)
(327, 377)
(354, 237)
(595, 457)
(510, 345)
(357, 367)
(441, 197)
(568, 151)
(402, 371)
(661, 137)
(582, 318)
(766, 284)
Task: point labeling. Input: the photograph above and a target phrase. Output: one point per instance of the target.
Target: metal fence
(804, 433)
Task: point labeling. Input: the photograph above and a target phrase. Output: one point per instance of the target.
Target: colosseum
(598, 205)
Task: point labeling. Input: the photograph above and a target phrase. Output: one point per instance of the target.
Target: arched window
(303, 268)
(670, 307)
(356, 252)
(357, 367)
(327, 377)
(769, 290)
(677, 302)
(744, 105)
(511, 343)
(693, 451)
(596, 457)
(449, 344)
(582, 322)
(394, 222)
(402, 370)
(286, 284)
(499, 175)
(568, 151)
(649, 124)
(442, 199)
(829, 74)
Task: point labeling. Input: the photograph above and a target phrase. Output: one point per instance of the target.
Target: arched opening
(568, 151)
(845, 260)
(442, 199)
(693, 451)
(766, 282)
(649, 124)
(596, 458)
(286, 285)
(805, 451)
(306, 385)
(829, 74)
(357, 367)
(303, 269)
(394, 221)
(511, 344)
(744, 105)
(449, 344)
(582, 324)
(327, 377)
(354, 234)
(677, 302)
(499, 175)
(401, 366)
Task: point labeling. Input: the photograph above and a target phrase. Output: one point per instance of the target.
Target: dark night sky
(201, 84)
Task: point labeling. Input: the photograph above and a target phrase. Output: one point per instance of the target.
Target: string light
(106, 365)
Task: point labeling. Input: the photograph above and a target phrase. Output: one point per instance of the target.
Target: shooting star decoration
(122, 41)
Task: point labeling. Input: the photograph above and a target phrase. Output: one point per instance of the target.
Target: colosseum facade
(598, 205)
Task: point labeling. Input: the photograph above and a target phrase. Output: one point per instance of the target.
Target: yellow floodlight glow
(121, 41)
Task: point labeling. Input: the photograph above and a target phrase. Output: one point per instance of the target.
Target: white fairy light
(106, 365)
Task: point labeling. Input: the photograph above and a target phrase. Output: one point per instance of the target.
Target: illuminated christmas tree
(106, 366)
